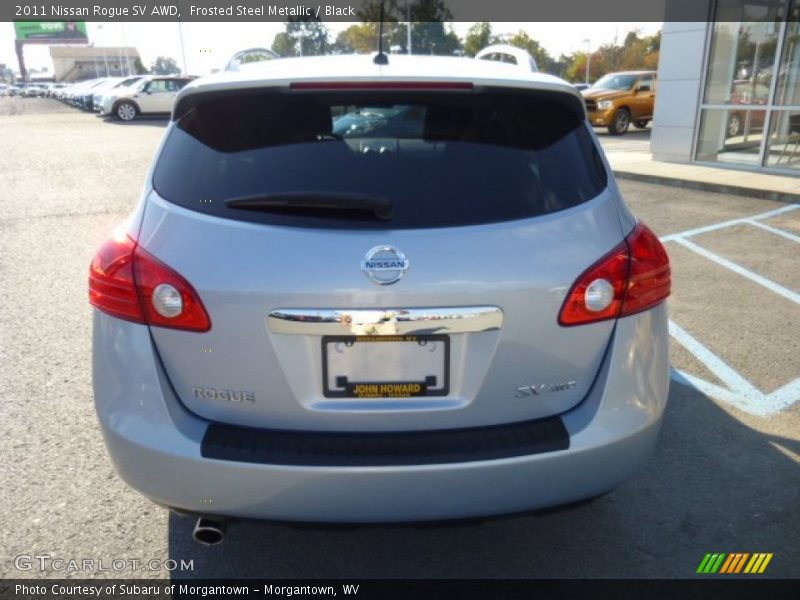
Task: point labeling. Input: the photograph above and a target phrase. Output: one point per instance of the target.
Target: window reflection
(783, 145)
(751, 77)
(731, 135)
(742, 61)
(788, 88)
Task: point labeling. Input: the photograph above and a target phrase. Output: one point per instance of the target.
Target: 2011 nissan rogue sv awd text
(363, 293)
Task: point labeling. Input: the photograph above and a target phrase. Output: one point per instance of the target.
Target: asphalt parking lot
(725, 478)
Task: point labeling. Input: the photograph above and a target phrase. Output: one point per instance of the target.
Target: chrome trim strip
(384, 321)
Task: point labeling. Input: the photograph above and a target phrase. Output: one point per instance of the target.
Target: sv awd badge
(538, 389)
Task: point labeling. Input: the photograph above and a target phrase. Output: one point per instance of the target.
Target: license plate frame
(385, 390)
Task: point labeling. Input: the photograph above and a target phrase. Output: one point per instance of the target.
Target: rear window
(439, 159)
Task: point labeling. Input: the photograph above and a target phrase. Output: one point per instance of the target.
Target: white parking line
(739, 391)
(775, 230)
(724, 224)
(735, 382)
(755, 277)
(761, 405)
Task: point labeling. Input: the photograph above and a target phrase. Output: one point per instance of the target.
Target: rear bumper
(155, 444)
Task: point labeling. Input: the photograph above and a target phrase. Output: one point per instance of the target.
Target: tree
(576, 71)
(432, 37)
(635, 53)
(428, 32)
(138, 67)
(361, 38)
(522, 40)
(559, 66)
(478, 37)
(165, 65)
(302, 36)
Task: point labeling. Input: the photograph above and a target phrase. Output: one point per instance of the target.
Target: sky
(209, 45)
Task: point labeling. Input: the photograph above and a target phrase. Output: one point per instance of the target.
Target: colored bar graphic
(740, 564)
(727, 564)
(717, 564)
(734, 563)
(703, 563)
(711, 563)
(755, 561)
(767, 558)
(730, 564)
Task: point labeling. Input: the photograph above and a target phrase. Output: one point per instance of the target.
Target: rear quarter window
(441, 159)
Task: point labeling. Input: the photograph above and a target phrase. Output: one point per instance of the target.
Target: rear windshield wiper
(316, 203)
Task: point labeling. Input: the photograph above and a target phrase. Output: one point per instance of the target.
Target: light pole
(105, 58)
(94, 56)
(183, 49)
(299, 35)
(408, 29)
(588, 60)
(125, 50)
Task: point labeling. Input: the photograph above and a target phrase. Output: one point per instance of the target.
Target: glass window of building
(750, 113)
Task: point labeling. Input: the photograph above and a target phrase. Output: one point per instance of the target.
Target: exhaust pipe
(209, 532)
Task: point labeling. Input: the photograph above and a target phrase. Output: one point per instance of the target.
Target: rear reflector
(637, 271)
(127, 282)
(380, 85)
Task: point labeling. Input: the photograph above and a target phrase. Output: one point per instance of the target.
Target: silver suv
(364, 293)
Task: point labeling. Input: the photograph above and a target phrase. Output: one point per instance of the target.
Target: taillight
(631, 278)
(650, 279)
(111, 287)
(127, 282)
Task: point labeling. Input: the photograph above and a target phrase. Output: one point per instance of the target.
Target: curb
(705, 186)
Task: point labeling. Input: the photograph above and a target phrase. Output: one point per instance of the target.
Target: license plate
(393, 366)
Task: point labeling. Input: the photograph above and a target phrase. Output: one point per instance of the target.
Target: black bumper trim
(383, 449)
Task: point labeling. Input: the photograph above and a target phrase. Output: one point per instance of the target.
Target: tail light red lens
(123, 278)
(111, 287)
(650, 279)
(638, 273)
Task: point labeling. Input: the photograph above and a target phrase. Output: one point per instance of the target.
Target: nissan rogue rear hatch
(389, 258)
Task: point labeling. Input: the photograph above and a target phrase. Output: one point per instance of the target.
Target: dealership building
(729, 88)
(76, 63)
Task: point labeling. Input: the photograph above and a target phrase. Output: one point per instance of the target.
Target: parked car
(379, 121)
(34, 90)
(749, 93)
(109, 87)
(511, 55)
(617, 99)
(246, 58)
(148, 96)
(54, 89)
(83, 96)
(76, 93)
(459, 319)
